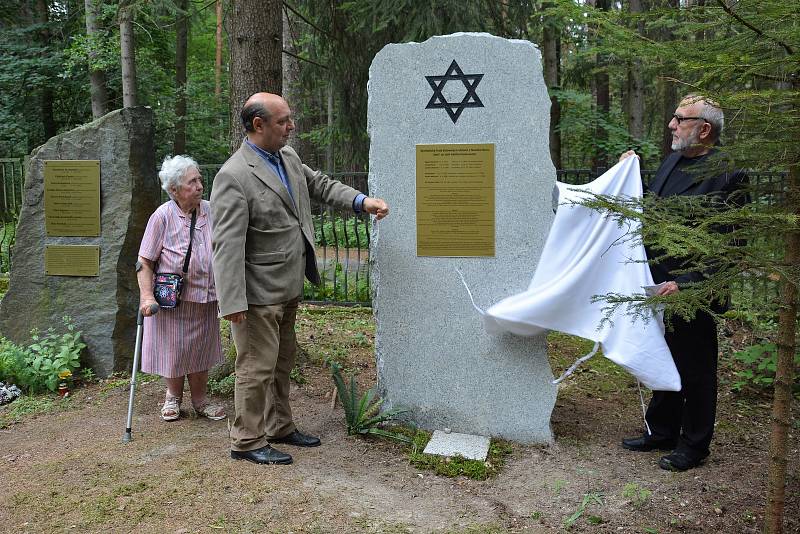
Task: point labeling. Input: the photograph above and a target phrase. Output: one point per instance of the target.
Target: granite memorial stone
(103, 307)
(433, 354)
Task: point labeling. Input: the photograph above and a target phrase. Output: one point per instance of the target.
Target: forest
(615, 70)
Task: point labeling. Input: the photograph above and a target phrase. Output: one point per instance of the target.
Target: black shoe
(644, 444)
(680, 461)
(264, 455)
(298, 439)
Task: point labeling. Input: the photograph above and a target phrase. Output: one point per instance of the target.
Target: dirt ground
(69, 471)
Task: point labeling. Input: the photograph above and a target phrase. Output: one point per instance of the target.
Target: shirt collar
(275, 159)
(201, 211)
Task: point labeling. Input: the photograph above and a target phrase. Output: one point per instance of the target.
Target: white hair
(173, 169)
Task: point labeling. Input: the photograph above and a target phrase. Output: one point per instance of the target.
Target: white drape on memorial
(588, 254)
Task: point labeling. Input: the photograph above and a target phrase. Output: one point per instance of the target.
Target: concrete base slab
(467, 446)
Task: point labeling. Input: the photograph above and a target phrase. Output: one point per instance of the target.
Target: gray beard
(682, 144)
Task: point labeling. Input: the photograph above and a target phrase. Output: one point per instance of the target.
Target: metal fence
(342, 237)
(13, 180)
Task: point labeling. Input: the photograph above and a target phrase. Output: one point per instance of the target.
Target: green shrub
(222, 386)
(341, 289)
(760, 361)
(37, 367)
(351, 232)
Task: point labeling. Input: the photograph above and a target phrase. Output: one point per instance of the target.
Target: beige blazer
(262, 241)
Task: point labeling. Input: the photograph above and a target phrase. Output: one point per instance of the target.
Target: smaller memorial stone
(84, 266)
(454, 444)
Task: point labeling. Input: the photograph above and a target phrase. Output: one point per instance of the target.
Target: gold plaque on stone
(72, 197)
(72, 260)
(455, 200)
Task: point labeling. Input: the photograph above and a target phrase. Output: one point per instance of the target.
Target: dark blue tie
(276, 161)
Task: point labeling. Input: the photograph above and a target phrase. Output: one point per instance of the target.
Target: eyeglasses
(681, 119)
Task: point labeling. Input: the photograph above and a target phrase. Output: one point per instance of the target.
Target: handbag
(167, 287)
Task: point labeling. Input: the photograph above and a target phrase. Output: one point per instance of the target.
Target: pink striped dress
(185, 339)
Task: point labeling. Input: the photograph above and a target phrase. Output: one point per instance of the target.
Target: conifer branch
(760, 33)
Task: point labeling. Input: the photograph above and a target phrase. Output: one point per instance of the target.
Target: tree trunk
(784, 369)
(635, 85)
(46, 100)
(669, 93)
(329, 164)
(181, 44)
(218, 56)
(97, 77)
(603, 101)
(128, 54)
(551, 45)
(256, 37)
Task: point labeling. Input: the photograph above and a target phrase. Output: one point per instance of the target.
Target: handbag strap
(191, 236)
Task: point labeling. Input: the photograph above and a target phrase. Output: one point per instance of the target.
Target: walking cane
(137, 352)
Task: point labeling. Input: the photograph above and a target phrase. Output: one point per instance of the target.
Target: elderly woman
(182, 341)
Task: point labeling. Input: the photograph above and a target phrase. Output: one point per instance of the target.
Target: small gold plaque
(72, 197)
(455, 200)
(72, 260)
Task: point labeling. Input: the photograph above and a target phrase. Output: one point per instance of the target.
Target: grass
(606, 376)
(589, 499)
(343, 335)
(637, 495)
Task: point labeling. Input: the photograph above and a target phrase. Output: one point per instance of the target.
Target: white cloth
(587, 254)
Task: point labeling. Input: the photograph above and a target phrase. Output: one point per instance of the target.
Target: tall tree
(181, 45)
(669, 92)
(551, 52)
(635, 80)
(301, 100)
(97, 76)
(256, 43)
(125, 13)
(218, 51)
(46, 105)
(602, 97)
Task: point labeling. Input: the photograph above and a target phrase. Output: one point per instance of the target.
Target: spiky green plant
(363, 415)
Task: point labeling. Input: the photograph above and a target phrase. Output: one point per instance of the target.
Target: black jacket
(668, 181)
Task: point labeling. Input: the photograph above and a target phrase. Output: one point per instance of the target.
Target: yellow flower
(63, 375)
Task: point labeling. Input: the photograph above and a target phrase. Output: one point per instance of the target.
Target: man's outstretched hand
(377, 207)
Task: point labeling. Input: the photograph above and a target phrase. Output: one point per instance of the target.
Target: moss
(454, 466)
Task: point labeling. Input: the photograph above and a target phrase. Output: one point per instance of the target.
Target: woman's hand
(144, 277)
(146, 305)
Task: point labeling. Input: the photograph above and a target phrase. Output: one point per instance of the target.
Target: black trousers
(687, 416)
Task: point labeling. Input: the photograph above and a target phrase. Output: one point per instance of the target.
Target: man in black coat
(683, 422)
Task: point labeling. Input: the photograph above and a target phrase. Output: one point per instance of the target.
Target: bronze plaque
(455, 200)
(72, 197)
(72, 260)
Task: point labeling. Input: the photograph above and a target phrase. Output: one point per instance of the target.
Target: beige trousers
(265, 353)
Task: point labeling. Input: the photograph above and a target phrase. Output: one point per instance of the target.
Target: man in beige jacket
(263, 241)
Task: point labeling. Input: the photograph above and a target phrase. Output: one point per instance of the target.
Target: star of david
(454, 109)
